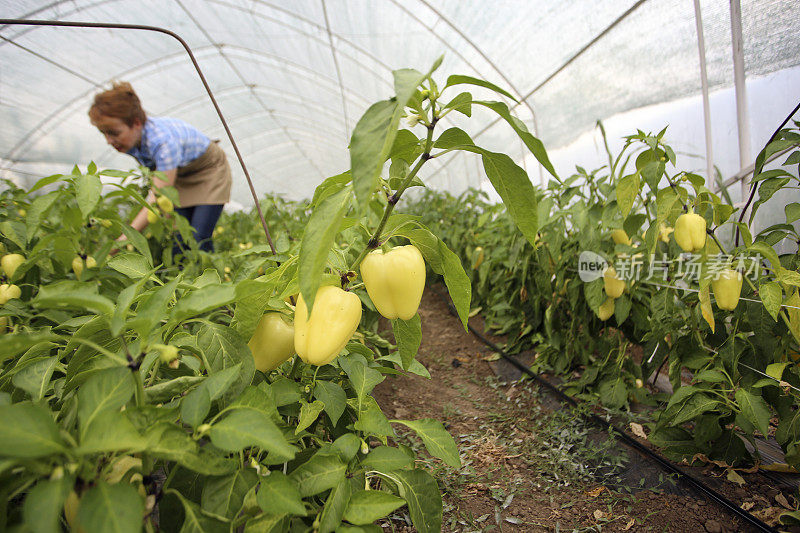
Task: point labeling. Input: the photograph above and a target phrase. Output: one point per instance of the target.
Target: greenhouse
(421, 265)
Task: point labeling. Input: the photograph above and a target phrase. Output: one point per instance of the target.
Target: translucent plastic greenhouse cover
(293, 77)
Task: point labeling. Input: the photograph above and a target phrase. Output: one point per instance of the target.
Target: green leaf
(223, 348)
(792, 212)
(223, 496)
(622, 308)
(267, 524)
(458, 79)
(533, 144)
(446, 263)
(371, 419)
(245, 427)
(320, 473)
(37, 211)
(68, 293)
(35, 378)
(87, 190)
(259, 398)
(284, 391)
(613, 392)
(775, 370)
(362, 378)
(375, 132)
(17, 343)
(167, 390)
(28, 431)
(408, 334)
(386, 459)
(754, 409)
(696, 405)
(516, 190)
(766, 252)
(335, 505)
(367, 506)
(114, 508)
(122, 309)
(203, 300)
(421, 492)
(667, 203)
(318, 237)
(196, 405)
(309, 412)
(593, 292)
(139, 242)
(44, 182)
(333, 397)
(279, 495)
(194, 520)
(106, 390)
(628, 188)
(461, 103)
(406, 148)
(134, 266)
(172, 443)
(110, 431)
(415, 368)
(15, 231)
(437, 440)
(790, 277)
(153, 308)
(43, 505)
(711, 376)
(772, 297)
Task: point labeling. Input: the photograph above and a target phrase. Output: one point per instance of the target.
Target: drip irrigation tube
(707, 491)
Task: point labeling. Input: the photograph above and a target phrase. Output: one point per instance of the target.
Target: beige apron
(206, 180)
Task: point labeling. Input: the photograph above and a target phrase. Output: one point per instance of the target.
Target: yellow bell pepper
(606, 310)
(612, 284)
(727, 288)
(395, 280)
(620, 237)
(477, 256)
(690, 232)
(9, 292)
(663, 232)
(10, 263)
(320, 337)
(165, 204)
(272, 342)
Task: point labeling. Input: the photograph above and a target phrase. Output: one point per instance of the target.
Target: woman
(191, 163)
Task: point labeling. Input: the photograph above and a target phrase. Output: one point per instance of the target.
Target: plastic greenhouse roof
(292, 78)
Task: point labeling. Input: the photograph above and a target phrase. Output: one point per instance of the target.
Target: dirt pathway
(526, 467)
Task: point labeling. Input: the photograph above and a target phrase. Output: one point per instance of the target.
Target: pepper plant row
(230, 390)
(727, 339)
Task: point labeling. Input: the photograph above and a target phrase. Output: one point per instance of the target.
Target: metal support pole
(701, 45)
(741, 92)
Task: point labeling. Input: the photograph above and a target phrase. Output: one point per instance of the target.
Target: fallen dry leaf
(734, 477)
(770, 515)
(781, 499)
(595, 492)
(780, 467)
(638, 430)
(746, 506)
(629, 525)
(599, 515)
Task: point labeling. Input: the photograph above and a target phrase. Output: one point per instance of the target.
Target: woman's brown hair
(121, 102)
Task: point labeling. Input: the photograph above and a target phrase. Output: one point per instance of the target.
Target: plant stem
(373, 242)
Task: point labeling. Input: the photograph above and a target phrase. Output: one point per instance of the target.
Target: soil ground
(531, 464)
